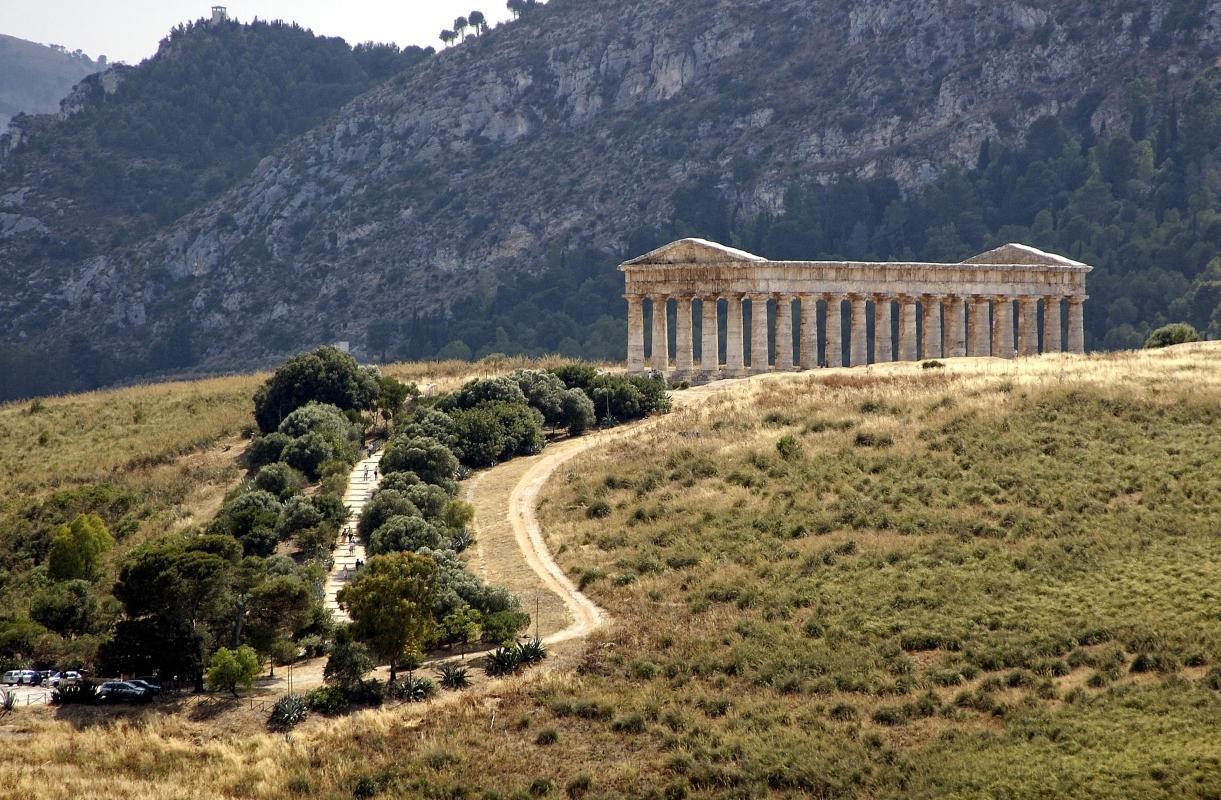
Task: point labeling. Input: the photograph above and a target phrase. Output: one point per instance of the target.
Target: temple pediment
(1023, 255)
(694, 252)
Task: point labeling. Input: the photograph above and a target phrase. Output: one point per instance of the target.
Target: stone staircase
(362, 483)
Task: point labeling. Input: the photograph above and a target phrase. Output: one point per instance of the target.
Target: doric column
(835, 330)
(907, 328)
(931, 325)
(883, 349)
(1002, 327)
(1051, 325)
(977, 327)
(635, 333)
(858, 345)
(784, 332)
(1028, 326)
(809, 331)
(955, 327)
(733, 335)
(1076, 325)
(684, 359)
(710, 346)
(758, 333)
(661, 334)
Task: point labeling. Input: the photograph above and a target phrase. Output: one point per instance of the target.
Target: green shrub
(329, 700)
(788, 447)
(629, 723)
(547, 736)
(308, 453)
(279, 479)
(933, 364)
(502, 627)
(1175, 333)
(267, 449)
(325, 375)
(288, 712)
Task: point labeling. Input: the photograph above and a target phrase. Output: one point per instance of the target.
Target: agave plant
(502, 661)
(531, 652)
(461, 541)
(288, 711)
(453, 676)
(414, 689)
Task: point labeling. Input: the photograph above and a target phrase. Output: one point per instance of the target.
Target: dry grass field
(989, 579)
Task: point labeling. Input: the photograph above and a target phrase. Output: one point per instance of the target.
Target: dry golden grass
(485, 741)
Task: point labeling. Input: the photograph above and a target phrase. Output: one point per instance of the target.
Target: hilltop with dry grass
(988, 579)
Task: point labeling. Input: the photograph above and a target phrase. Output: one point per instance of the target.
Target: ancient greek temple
(755, 315)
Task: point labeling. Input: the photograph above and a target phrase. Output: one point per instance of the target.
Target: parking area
(30, 695)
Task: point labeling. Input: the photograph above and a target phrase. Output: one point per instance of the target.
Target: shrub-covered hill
(922, 583)
(480, 201)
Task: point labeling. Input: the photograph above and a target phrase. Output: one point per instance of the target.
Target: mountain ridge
(576, 129)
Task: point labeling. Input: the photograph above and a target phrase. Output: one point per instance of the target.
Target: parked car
(28, 677)
(122, 691)
(63, 679)
(44, 675)
(11, 677)
(151, 688)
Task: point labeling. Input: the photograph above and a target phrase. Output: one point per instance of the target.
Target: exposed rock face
(574, 127)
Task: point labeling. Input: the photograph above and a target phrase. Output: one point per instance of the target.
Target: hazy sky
(129, 30)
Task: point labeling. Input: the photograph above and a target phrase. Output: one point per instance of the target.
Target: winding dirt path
(510, 549)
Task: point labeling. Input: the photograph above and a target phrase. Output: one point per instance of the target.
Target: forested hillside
(480, 201)
(144, 145)
(35, 77)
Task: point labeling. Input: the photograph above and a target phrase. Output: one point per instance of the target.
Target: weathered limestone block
(661, 334)
(734, 360)
(930, 319)
(907, 328)
(858, 346)
(1051, 325)
(710, 345)
(809, 331)
(835, 331)
(883, 340)
(635, 334)
(1076, 325)
(758, 333)
(784, 332)
(683, 356)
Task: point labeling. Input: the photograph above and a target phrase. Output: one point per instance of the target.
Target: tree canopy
(390, 603)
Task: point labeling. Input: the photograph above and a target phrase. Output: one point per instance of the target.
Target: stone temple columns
(758, 333)
(1051, 325)
(955, 327)
(835, 331)
(734, 361)
(858, 347)
(882, 339)
(907, 328)
(684, 359)
(1002, 327)
(784, 332)
(710, 346)
(661, 334)
(1076, 325)
(635, 333)
(808, 338)
(1028, 326)
(977, 327)
(931, 324)
(945, 310)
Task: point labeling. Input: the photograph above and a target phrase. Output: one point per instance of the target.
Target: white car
(11, 677)
(69, 678)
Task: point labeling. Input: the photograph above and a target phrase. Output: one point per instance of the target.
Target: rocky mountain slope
(586, 127)
(35, 77)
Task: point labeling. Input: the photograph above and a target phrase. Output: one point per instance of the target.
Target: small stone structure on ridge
(944, 310)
